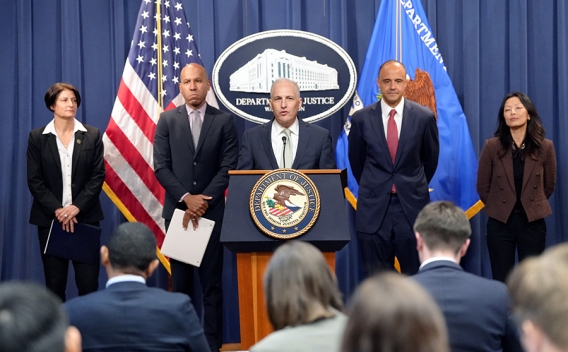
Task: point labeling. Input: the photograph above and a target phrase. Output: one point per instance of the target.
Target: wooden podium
(254, 248)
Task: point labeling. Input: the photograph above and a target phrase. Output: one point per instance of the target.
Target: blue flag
(402, 33)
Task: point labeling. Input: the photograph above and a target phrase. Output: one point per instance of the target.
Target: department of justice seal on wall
(244, 73)
(284, 203)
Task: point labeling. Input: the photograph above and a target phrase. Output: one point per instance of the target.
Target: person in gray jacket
(303, 301)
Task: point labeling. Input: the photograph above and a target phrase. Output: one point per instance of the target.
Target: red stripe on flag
(135, 159)
(277, 212)
(136, 111)
(132, 203)
(171, 105)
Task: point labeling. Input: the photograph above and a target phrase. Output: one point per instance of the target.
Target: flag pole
(160, 97)
(398, 31)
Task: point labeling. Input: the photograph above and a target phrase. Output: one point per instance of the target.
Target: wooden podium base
(252, 306)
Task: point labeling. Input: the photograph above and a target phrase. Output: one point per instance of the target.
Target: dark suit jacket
(476, 309)
(130, 316)
(45, 180)
(314, 148)
(415, 163)
(496, 183)
(180, 168)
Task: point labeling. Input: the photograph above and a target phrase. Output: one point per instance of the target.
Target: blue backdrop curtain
(489, 47)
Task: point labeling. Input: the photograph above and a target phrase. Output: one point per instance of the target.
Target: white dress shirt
(276, 135)
(385, 109)
(66, 157)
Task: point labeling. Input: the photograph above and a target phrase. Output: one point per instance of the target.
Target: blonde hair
(538, 290)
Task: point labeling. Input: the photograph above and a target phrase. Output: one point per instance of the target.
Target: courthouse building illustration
(257, 75)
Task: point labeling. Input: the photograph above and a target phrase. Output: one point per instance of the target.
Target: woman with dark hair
(515, 178)
(303, 301)
(65, 176)
(390, 313)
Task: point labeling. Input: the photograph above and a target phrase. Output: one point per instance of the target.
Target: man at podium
(286, 141)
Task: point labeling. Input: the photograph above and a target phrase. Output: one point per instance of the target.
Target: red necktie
(392, 139)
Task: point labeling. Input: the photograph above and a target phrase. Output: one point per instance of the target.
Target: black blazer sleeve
(228, 155)
(40, 189)
(163, 165)
(327, 156)
(357, 146)
(88, 171)
(431, 148)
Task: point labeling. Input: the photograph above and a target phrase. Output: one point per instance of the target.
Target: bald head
(194, 85)
(392, 82)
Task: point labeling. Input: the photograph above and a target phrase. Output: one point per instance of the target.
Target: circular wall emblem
(284, 203)
(243, 74)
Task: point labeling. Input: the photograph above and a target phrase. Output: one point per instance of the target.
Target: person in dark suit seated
(538, 288)
(128, 315)
(303, 301)
(393, 152)
(65, 177)
(391, 314)
(286, 141)
(32, 319)
(476, 309)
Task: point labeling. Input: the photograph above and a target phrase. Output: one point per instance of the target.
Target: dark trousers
(395, 237)
(517, 235)
(55, 270)
(210, 277)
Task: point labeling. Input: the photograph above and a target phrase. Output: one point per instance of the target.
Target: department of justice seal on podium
(284, 203)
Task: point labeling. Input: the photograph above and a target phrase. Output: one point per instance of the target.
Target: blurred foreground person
(33, 320)
(389, 313)
(538, 288)
(303, 301)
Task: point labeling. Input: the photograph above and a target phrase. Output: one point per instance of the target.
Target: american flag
(161, 46)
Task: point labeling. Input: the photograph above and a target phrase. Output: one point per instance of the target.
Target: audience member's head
(442, 228)
(299, 286)
(32, 319)
(538, 290)
(131, 249)
(389, 313)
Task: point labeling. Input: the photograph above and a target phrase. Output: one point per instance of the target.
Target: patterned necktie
(196, 128)
(392, 139)
(287, 157)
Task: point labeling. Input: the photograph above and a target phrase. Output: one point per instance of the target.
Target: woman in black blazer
(65, 176)
(515, 178)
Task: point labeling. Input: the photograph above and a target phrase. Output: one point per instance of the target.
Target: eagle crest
(283, 194)
(421, 91)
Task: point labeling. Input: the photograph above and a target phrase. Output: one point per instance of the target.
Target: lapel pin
(78, 141)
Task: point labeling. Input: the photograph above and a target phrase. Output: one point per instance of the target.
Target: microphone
(284, 139)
